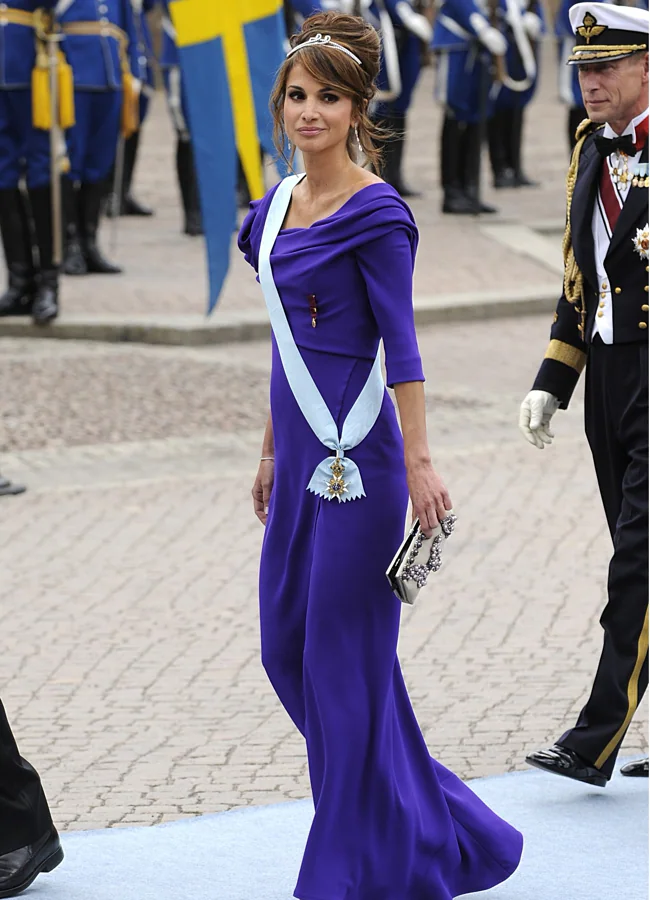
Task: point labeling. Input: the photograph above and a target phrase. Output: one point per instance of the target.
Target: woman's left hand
(429, 496)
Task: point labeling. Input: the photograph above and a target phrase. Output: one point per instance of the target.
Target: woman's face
(317, 117)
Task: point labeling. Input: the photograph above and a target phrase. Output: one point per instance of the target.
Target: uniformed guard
(523, 22)
(25, 152)
(403, 31)
(177, 103)
(29, 843)
(101, 46)
(602, 321)
(568, 83)
(465, 37)
(146, 61)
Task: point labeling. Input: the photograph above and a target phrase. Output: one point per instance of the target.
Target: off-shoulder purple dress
(390, 823)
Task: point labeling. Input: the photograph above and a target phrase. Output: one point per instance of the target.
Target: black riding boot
(73, 258)
(91, 195)
(455, 200)
(393, 153)
(17, 300)
(499, 141)
(193, 224)
(516, 138)
(471, 167)
(129, 206)
(46, 302)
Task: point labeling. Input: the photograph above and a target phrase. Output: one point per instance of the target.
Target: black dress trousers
(616, 421)
(24, 813)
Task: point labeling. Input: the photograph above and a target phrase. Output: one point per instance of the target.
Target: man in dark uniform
(24, 152)
(602, 320)
(29, 843)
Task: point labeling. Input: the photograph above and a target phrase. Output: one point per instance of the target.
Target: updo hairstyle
(335, 68)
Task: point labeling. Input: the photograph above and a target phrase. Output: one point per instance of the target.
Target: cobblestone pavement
(130, 661)
(166, 272)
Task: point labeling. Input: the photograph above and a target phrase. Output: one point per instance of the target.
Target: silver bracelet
(263, 458)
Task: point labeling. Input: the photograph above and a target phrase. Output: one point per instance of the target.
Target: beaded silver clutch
(417, 557)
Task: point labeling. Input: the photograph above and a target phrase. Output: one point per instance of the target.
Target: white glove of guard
(535, 416)
(417, 24)
(490, 37)
(533, 25)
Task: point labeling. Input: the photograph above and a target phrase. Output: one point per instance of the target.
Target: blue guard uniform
(464, 41)
(101, 45)
(24, 153)
(177, 103)
(146, 63)
(404, 31)
(505, 129)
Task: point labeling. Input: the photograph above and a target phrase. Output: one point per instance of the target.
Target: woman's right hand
(262, 489)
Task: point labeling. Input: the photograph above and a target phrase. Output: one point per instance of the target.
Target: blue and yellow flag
(230, 51)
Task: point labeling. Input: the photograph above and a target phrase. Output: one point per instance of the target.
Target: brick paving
(130, 659)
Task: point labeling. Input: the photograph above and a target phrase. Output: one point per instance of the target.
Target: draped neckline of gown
(336, 213)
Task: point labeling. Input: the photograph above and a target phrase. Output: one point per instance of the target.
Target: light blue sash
(336, 476)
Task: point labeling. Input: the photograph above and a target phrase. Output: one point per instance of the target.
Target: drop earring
(356, 134)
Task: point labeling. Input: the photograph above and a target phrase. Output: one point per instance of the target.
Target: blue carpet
(581, 844)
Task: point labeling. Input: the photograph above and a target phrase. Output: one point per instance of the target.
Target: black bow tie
(607, 146)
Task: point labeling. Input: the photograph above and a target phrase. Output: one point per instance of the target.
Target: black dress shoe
(505, 178)
(10, 489)
(459, 204)
(46, 303)
(19, 868)
(74, 262)
(96, 262)
(193, 224)
(522, 180)
(638, 768)
(562, 761)
(133, 207)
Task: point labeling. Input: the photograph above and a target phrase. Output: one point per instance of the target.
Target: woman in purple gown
(390, 823)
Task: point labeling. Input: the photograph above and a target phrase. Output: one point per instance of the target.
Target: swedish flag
(229, 52)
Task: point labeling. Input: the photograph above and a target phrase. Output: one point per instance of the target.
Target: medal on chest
(619, 172)
(640, 175)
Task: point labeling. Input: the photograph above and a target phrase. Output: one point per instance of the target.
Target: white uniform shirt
(604, 321)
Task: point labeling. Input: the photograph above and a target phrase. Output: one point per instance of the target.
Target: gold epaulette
(573, 280)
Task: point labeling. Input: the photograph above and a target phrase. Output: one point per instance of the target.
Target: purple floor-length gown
(391, 823)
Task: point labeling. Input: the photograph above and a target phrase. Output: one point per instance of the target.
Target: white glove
(419, 25)
(533, 25)
(490, 37)
(535, 416)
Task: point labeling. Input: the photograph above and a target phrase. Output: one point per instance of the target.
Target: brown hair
(332, 67)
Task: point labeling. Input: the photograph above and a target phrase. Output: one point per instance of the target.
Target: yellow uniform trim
(199, 21)
(614, 48)
(567, 354)
(17, 17)
(103, 28)
(632, 695)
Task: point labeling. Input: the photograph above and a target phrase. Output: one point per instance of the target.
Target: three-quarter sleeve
(386, 264)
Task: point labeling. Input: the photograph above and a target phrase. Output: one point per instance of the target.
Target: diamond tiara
(325, 39)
